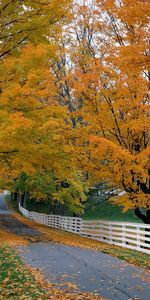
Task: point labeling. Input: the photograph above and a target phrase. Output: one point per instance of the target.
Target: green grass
(108, 211)
(131, 256)
(16, 281)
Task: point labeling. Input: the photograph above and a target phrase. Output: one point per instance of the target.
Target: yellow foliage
(111, 79)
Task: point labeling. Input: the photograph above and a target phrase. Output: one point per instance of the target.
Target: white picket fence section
(129, 235)
(66, 223)
(134, 236)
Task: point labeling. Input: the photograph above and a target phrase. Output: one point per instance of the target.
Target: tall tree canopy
(27, 86)
(113, 86)
(34, 151)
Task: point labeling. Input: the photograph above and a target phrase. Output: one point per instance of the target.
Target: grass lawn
(108, 211)
(16, 281)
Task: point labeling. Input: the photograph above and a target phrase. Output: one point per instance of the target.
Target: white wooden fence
(134, 236)
(66, 223)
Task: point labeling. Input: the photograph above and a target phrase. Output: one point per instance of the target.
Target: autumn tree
(34, 127)
(33, 122)
(24, 22)
(115, 103)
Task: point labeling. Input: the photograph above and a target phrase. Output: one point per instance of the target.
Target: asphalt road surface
(91, 271)
(9, 223)
(3, 206)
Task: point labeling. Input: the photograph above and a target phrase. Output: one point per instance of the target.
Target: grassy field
(110, 212)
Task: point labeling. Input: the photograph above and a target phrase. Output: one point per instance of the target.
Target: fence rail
(134, 236)
(66, 223)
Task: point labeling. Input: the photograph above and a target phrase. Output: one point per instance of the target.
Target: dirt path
(90, 270)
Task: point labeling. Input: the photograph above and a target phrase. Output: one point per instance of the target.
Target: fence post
(123, 235)
(110, 233)
(138, 237)
(80, 227)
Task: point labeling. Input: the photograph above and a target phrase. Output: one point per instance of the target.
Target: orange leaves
(114, 95)
(131, 201)
(121, 168)
(27, 96)
(107, 3)
(19, 120)
(105, 144)
(136, 12)
(32, 84)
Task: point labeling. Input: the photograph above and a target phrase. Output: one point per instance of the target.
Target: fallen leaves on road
(11, 238)
(18, 282)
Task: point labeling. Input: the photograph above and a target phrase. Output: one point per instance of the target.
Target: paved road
(9, 223)
(92, 271)
(3, 206)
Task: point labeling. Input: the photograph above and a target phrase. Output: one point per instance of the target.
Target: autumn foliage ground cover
(21, 282)
(16, 280)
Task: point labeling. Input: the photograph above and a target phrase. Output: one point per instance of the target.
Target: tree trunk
(144, 217)
(24, 199)
(148, 229)
(15, 196)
